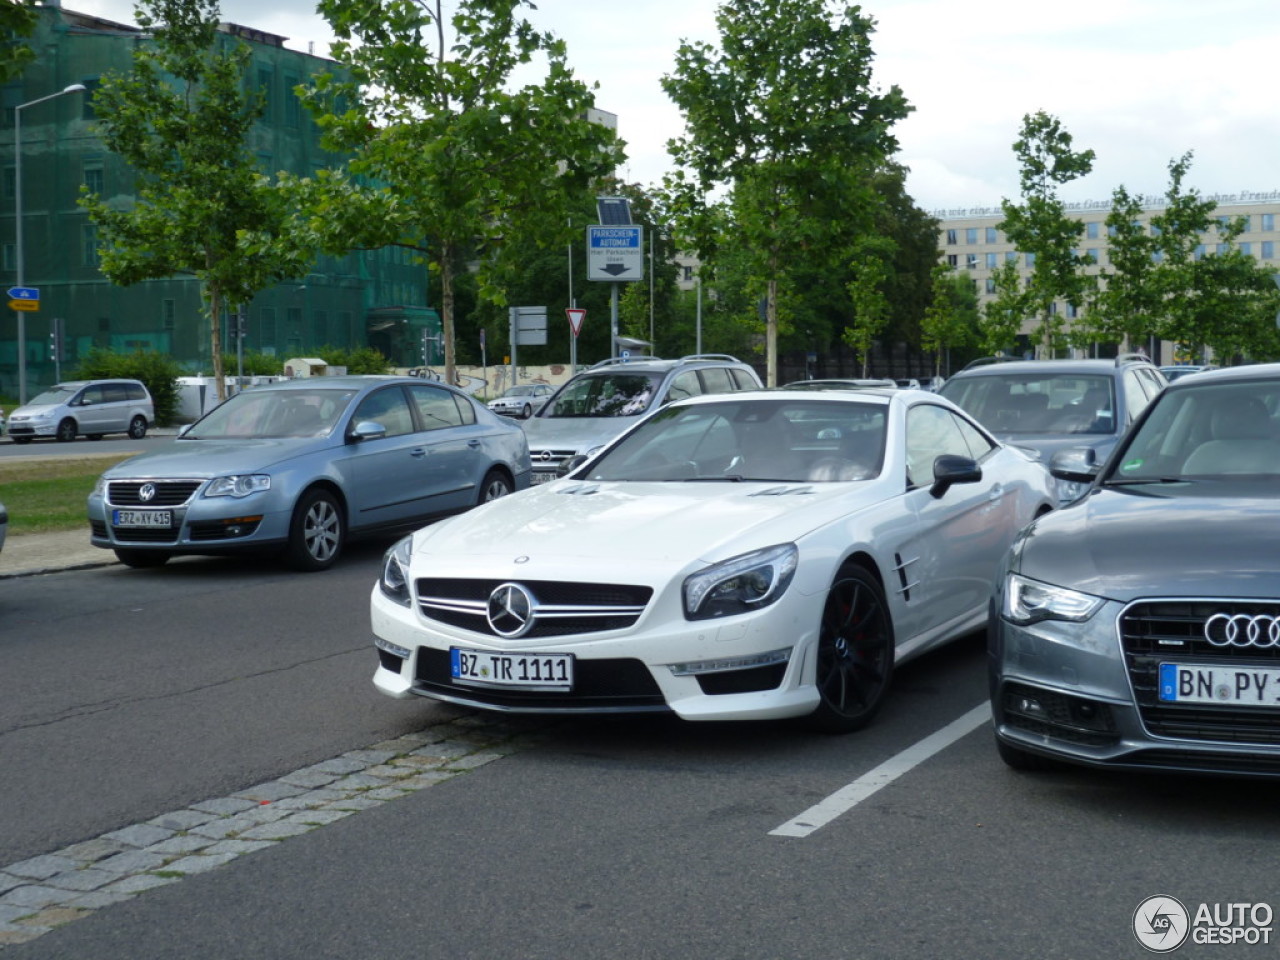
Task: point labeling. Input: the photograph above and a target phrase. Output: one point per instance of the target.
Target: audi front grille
(1178, 631)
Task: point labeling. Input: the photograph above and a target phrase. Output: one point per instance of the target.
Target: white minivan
(88, 408)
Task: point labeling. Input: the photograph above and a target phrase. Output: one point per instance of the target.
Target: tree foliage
(1040, 227)
(181, 119)
(158, 371)
(448, 155)
(18, 20)
(951, 318)
(785, 116)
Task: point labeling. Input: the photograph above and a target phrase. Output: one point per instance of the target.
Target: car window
(683, 386)
(92, 395)
(604, 395)
(980, 445)
(436, 408)
(1036, 403)
(136, 391)
(716, 380)
(389, 407)
(1135, 397)
(743, 380)
(273, 413)
(931, 432)
(114, 393)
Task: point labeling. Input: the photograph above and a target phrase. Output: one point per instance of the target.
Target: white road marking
(847, 797)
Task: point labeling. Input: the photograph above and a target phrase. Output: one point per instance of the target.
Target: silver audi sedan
(298, 467)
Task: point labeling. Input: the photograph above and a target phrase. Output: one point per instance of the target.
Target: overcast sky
(1140, 82)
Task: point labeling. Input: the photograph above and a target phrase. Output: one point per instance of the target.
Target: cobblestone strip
(51, 890)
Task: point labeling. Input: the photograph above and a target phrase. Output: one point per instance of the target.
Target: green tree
(871, 263)
(951, 316)
(18, 19)
(785, 116)
(447, 154)
(1040, 227)
(1003, 314)
(181, 120)
(1126, 303)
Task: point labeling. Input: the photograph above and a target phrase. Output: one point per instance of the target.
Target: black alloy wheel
(66, 431)
(855, 653)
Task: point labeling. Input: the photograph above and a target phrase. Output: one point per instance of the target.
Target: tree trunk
(215, 339)
(771, 334)
(446, 311)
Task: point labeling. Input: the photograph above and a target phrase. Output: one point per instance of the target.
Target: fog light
(732, 663)
(1031, 708)
(391, 648)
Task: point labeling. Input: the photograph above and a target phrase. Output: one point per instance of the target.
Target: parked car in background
(297, 467)
(755, 555)
(932, 384)
(1178, 370)
(908, 383)
(522, 400)
(89, 408)
(599, 403)
(1139, 627)
(837, 384)
(1048, 405)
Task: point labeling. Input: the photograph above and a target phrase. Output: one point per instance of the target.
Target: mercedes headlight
(1030, 601)
(740, 584)
(238, 486)
(394, 582)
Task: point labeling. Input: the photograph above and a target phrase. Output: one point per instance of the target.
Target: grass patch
(44, 496)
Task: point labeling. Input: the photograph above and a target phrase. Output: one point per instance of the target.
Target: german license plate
(541, 478)
(1231, 686)
(141, 518)
(526, 671)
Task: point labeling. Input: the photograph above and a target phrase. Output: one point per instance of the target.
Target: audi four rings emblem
(147, 492)
(1242, 630)
(510, 612)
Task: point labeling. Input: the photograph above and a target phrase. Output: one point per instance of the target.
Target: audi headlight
(740, 584)
(394, 582)
(238, 486)
(1030, 601)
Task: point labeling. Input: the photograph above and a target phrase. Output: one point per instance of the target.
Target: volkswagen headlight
(740, 584)
(1030, 601)
(394, 582)
(238, 486)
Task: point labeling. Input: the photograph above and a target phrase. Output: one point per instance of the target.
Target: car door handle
(418, 452)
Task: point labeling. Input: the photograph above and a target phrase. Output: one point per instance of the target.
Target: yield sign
(575, 315)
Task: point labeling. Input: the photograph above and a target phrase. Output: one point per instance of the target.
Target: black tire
(855, 653)
(138, 427)
(66, 430)
(494, 485)
(1023, 761)
(317, 533)
(141, 559)
(527, 412)
(20, 439)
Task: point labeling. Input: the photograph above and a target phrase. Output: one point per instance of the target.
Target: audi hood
(1207, 538)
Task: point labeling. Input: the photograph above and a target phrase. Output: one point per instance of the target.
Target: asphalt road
(125, 694)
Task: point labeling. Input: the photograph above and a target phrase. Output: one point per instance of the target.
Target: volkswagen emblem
(147, 492)
(510, 611)
(1242, 630)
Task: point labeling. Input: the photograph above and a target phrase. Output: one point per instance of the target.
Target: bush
(364, 360)
(253, 364)
(158, 371)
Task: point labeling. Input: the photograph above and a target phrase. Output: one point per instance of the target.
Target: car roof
(1024, 367)
(652, 364)
(1245, 372)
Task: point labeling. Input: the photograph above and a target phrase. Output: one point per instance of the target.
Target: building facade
(373, 298)
(971, 241)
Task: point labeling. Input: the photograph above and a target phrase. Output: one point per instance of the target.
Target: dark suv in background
(1049, 405)
(602, 401)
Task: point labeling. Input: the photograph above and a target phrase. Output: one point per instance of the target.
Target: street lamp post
(17, 209)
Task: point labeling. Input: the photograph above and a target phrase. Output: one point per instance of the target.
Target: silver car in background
(299, 466)
(88, 408)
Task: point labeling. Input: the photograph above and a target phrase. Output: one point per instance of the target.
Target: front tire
(317, 532)
(855, 653)
(527, 412)
(138, 427)
(141, 559)
(495, 485)
(66, 431)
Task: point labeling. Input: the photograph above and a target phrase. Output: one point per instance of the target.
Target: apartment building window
(268, 327)
(168, 314)
(1268, 250)
(993, 261)
(1246, 248)
(688, 274)
(1199, 251)
(1072, 311)
(971, 261)
(971, 235)
(292, 105)
(953, 260)
(87, 111)
(1091, 230)
(1248, 224)
(991, 284)
(266, 76)
(992, 235)
(93, 181)
(1221, 248)
(1268, 222)
(321, 332)
(1011, 256)
(10, 183)
(89, 244)
(951, 238)
(10, 257)
(1091, 255)
(1031, 260)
